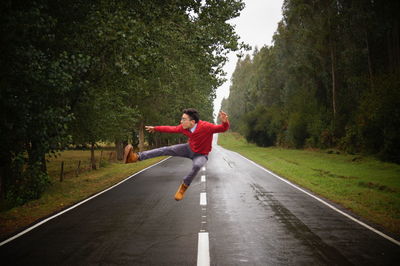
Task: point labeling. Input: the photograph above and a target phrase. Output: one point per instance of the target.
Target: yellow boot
(129, 155)
(181, 191)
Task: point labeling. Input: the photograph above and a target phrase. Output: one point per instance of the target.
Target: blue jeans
(180, 150)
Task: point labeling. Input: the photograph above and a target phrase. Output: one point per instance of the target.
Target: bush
(297, 130)
(318, 132)
(29, 185)
(262, 125)
(379, 118)
(350, 143)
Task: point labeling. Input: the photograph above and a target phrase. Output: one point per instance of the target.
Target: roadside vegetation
(364, 185)
(330, 79)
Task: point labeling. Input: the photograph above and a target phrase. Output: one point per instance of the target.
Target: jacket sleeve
(219, 128)
(169, 129)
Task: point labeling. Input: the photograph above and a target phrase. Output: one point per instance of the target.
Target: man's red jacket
(200, 140)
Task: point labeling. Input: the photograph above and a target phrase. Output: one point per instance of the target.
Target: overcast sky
(256, 25)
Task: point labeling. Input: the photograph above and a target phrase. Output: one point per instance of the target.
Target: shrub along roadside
(367, 187)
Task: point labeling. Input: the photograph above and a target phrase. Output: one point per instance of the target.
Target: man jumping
(200, 134)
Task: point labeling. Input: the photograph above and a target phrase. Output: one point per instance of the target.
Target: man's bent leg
(181, 150)
(198, 162)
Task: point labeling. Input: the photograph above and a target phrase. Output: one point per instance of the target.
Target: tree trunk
(44, 165)
(92, 159)
(393, 44)
(2, 187)
(119, 149)
(35, 156)
(369, 59)
(31, 149)
(333, 83)
(141, 136)
(7, 175)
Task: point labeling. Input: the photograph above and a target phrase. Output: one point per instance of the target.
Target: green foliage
(379, 118)
(331, 76)
(29, 185)
(82, 72)
(350, 142)
(263, 125)
(297, 130)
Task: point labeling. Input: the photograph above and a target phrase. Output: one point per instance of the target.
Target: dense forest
(80, 72)
(331, 78)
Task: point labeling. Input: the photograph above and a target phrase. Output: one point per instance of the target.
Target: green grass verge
(364, 185)
(72, 190)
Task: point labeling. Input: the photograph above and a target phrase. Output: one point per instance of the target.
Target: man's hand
(223, 116)
(150, 129)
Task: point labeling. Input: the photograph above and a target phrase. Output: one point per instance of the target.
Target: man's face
(187, 122)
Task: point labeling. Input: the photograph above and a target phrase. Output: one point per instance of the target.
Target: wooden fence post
(101, 155)
(62, 172)
(79, 168)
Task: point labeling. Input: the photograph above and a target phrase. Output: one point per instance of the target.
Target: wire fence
(73, 168)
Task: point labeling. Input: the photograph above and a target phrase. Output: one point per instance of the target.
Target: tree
(84, 71)
(330, 79)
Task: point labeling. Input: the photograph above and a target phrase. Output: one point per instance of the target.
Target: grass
(72, 190)
(364, 185)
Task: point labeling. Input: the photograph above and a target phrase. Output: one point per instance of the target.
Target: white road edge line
(74, 206)
(203, 198)
(326, 203)
(203, 178)
(203, 250)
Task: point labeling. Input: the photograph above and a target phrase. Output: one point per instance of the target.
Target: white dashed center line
(203, 198)
(203, 250)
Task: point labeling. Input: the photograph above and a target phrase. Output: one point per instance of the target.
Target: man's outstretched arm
(225, 123)
(165, 129)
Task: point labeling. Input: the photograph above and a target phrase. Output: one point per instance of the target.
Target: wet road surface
(249, 216)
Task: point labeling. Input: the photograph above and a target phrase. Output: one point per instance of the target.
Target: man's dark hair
(193, 114)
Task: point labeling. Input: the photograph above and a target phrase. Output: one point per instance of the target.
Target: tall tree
(329, 80)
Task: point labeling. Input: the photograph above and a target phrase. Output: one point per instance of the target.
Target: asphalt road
(251, 218)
